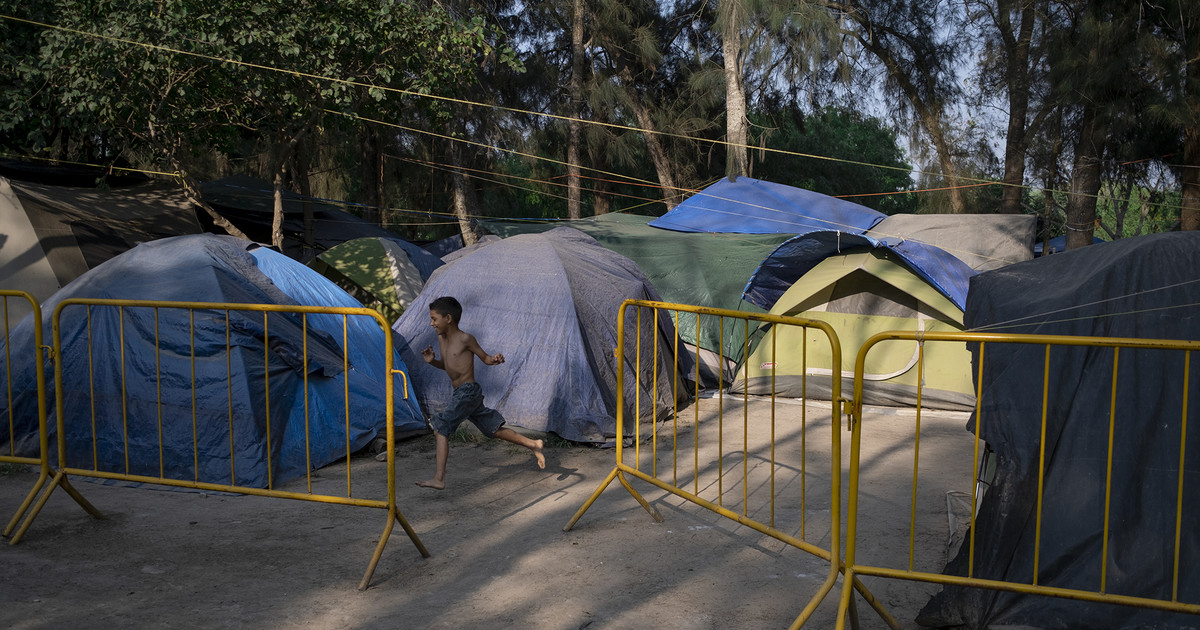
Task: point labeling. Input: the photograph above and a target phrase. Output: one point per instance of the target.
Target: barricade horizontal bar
(1029, 589)
(217, 487)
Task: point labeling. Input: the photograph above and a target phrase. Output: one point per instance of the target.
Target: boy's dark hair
(447, 305)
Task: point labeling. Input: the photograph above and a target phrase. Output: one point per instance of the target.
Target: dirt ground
(500, 558)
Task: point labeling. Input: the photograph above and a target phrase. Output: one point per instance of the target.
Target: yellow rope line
(448, 99)
(167, 49)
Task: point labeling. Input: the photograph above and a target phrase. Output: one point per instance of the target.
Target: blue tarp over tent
(548, 302)
(793, 258)
(366, 338)
(116, 360)
(751, 206)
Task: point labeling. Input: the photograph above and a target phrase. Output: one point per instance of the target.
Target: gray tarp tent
(1145, 287)
(549, 303)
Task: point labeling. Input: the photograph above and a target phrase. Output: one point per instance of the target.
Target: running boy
(459, 349)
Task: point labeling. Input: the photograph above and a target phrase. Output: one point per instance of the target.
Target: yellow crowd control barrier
(251, 350)
(24, 303)
(756, 469)
(901, 528)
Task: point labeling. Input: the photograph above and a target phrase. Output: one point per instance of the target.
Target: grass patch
(7, 468)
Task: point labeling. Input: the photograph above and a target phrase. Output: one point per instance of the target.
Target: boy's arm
(488, 359)
(427, 354)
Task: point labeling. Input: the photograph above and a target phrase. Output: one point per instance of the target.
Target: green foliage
(850, 142)
(160, 75)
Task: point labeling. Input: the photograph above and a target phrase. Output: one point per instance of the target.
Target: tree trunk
(301, 183)
(1017, 81)
(658, 154)
(736, 125)
(277, 216)
(371, 160)
(573, 125)
(1189, 211)
(1085, 180)
(464, 200)
(601, 199)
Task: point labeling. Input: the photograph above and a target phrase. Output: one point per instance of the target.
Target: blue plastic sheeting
(366, 339)
(549, 302)
(218, 379)
(795, 257)
(751, 206)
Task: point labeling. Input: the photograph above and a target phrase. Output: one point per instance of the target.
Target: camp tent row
(742, 245)
(757, 247)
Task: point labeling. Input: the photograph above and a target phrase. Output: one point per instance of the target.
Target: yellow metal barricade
(755, 472)
(146, 426)
(888, 561)
(12, 316)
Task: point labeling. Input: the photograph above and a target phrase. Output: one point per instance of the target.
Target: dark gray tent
(50, 235)
(1145, 287)
(549, 303)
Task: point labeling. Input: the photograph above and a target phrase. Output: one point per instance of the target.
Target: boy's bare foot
(432, 483)
(537, 452)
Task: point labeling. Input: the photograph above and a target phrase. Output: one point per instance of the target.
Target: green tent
(696, 268)
(376, 271)
(860, 294)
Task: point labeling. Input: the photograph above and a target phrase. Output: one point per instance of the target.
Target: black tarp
(1145, 287)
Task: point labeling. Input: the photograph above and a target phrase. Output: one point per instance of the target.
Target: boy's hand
(427, 354)
(497, 359)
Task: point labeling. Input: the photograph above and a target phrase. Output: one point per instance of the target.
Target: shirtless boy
(459, 349)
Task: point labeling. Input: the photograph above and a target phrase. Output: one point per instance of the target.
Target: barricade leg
(37, 487)
(60, 479)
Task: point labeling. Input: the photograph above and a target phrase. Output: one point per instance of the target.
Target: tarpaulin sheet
(752, 206)
(1144, 287)
(795, 257)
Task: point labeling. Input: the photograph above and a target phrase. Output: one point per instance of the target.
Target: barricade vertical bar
(1037, 532)
(975, 463)
(721, 417)
(158, 391)
(1187, 368)
(307, 427)
(91, 390)
(229, 394)
(696, 420)
(267, 394)
(12, 443)
(912, 523)
(654, 391)
(637, 399)
(803, 408)
(195, 402)
(124, 388)
(1112, 423)
(746, 430)
(675, 403)
(803, 428)
(346, 392)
